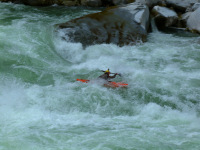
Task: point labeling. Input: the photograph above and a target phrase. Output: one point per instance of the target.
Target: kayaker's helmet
(107, 71)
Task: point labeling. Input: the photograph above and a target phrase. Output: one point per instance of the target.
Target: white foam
(161, 103)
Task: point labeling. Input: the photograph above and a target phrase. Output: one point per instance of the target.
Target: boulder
(180, 5)
(193, 22)
(13, 1)
(185, 16)
(69, 2)
(93, 3)
(116, 2)
(195, 6)
(164, 17)
(119, 2)
(38, 2)
(90, 3)
(107, 3)
(119, 25)
(183, 20)
(149, 3)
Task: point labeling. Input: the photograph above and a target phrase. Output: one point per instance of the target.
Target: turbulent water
(42, 106)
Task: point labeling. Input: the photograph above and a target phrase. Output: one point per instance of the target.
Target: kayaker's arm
(113, 75)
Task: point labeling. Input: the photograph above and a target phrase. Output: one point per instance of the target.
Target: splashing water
(43, 107)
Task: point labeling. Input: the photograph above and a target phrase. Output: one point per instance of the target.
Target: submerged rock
(119, 25)
(193, 22)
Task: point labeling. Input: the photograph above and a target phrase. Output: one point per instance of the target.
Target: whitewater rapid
(43, 107)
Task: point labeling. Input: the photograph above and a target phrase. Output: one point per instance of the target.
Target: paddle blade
(119, 74)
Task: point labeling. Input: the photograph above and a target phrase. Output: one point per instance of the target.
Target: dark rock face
(164, 17)
(13, 1)
(149, 3)
(180, 5)
(94, 3)
(182, 22)
(32, 2)
(38, 2)
(120, 25)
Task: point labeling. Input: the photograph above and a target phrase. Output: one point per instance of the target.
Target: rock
(93, 3)
(90, 3)
(193, 22)
(195, 6)
(186, 15)
(119, 25)
(149, 3)
(17, 2)
(70, 2)
(183, 20)
(38, 2)
(164, 17)
(96, 3)
(180, 5)
(119, 2)
(107, 3)
(116, 2)
(13, 1)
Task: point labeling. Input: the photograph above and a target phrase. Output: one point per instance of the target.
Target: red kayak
(109, 84)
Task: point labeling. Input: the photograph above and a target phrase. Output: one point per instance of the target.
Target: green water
(43, 107)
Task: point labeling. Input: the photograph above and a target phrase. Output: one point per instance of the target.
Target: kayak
(116, 84)
(83, 80)
(108, 84)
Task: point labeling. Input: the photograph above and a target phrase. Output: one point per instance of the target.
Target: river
(43, 107)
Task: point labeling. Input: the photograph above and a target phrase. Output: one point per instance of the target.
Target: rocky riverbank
(90, 3)
(128, 22)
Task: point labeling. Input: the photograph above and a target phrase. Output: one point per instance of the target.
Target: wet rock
(120, 25)
(180, 5)
(183, 20)
(186, 15)
(193, 22)
(164, 17)
(13, 1)
(38, 2)
(105, 3)
(116, 2)
(93, 3)
(149, 3)
(119, 2)
(70, 2)
(195, 6)
(90, 3)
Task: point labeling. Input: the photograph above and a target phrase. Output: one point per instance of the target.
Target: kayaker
(106, 75)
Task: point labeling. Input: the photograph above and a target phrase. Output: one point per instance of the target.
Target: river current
(43, 107)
